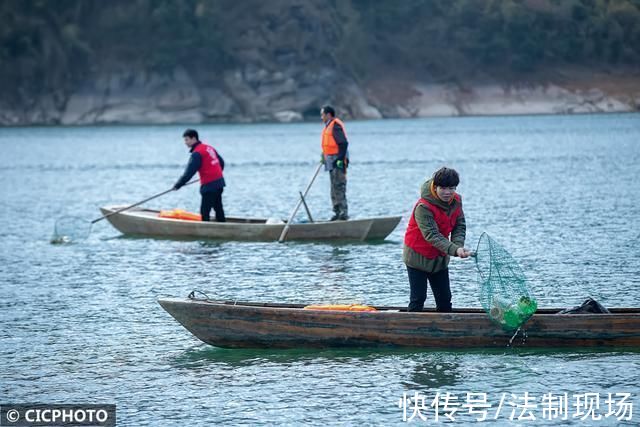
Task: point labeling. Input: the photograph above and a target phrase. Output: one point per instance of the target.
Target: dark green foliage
(50, 46)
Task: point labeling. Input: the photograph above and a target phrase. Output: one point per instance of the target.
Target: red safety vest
(414, 238)
(329, 144)
(210, 169)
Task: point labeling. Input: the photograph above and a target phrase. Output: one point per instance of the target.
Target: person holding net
(436, 231)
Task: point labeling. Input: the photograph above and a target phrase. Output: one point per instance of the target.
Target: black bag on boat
(588, 306)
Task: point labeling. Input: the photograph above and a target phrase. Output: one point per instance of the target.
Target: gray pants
(339, 192)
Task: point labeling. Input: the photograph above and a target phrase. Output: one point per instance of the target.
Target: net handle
(139, 203)
(475, 255)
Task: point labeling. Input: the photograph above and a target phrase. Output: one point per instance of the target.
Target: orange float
(341, 307)
(180, 214)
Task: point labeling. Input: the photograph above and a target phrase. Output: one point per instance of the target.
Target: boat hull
(247, 325)
(145, 222)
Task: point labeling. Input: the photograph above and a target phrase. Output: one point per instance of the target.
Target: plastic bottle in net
(504, 293)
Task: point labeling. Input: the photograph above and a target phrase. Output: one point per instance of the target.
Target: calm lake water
(80, 322)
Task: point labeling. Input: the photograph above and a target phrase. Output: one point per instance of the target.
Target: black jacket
(195, 160)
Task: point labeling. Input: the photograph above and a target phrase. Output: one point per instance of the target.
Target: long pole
(138, 203)
(283, 235)
(306, 208)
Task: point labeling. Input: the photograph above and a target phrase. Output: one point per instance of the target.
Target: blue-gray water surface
(80, 322)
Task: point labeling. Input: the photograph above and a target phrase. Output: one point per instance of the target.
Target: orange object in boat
(180, 214)
(341, 307)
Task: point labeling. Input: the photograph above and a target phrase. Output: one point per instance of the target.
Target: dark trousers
(439, 286)
(212, 199)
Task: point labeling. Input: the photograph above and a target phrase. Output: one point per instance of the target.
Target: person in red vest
(209, 164)
(335, 158)
(436, 232)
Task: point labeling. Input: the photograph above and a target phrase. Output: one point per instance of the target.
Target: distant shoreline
(147, 99)
(309, 121)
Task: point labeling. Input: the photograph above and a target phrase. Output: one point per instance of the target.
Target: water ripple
(81, 322)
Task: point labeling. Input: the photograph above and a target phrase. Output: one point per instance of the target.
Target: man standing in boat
(427, 248)
(209, 164)
(335, 158)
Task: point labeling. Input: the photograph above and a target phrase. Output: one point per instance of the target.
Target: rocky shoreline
(254, 94)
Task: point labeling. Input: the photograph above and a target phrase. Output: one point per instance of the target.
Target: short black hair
(446, 177)
(328, 109)
(191, 133)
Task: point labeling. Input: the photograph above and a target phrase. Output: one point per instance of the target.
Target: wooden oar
(283, 235)
(139, 203)
(306, 208)
(69, 228)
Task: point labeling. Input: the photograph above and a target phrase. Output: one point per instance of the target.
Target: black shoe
(339, 217)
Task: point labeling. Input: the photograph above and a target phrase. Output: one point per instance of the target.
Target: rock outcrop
(255, 94)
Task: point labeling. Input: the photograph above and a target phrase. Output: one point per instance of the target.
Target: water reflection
(335, 261)
(430, 368)
(335, 266)
(204, 355)
(437, 373)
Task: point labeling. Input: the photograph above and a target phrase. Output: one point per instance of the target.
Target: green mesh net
(503, 286)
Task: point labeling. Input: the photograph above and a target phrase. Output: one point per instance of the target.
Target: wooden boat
(262, 325)
(146, 222)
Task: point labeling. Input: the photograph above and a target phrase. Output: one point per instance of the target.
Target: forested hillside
(50, 47)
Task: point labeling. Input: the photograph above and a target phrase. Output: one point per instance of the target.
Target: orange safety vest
(329, 144)
(414, 238)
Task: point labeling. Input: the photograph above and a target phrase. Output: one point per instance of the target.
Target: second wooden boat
(146, 222)
(262, 325)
